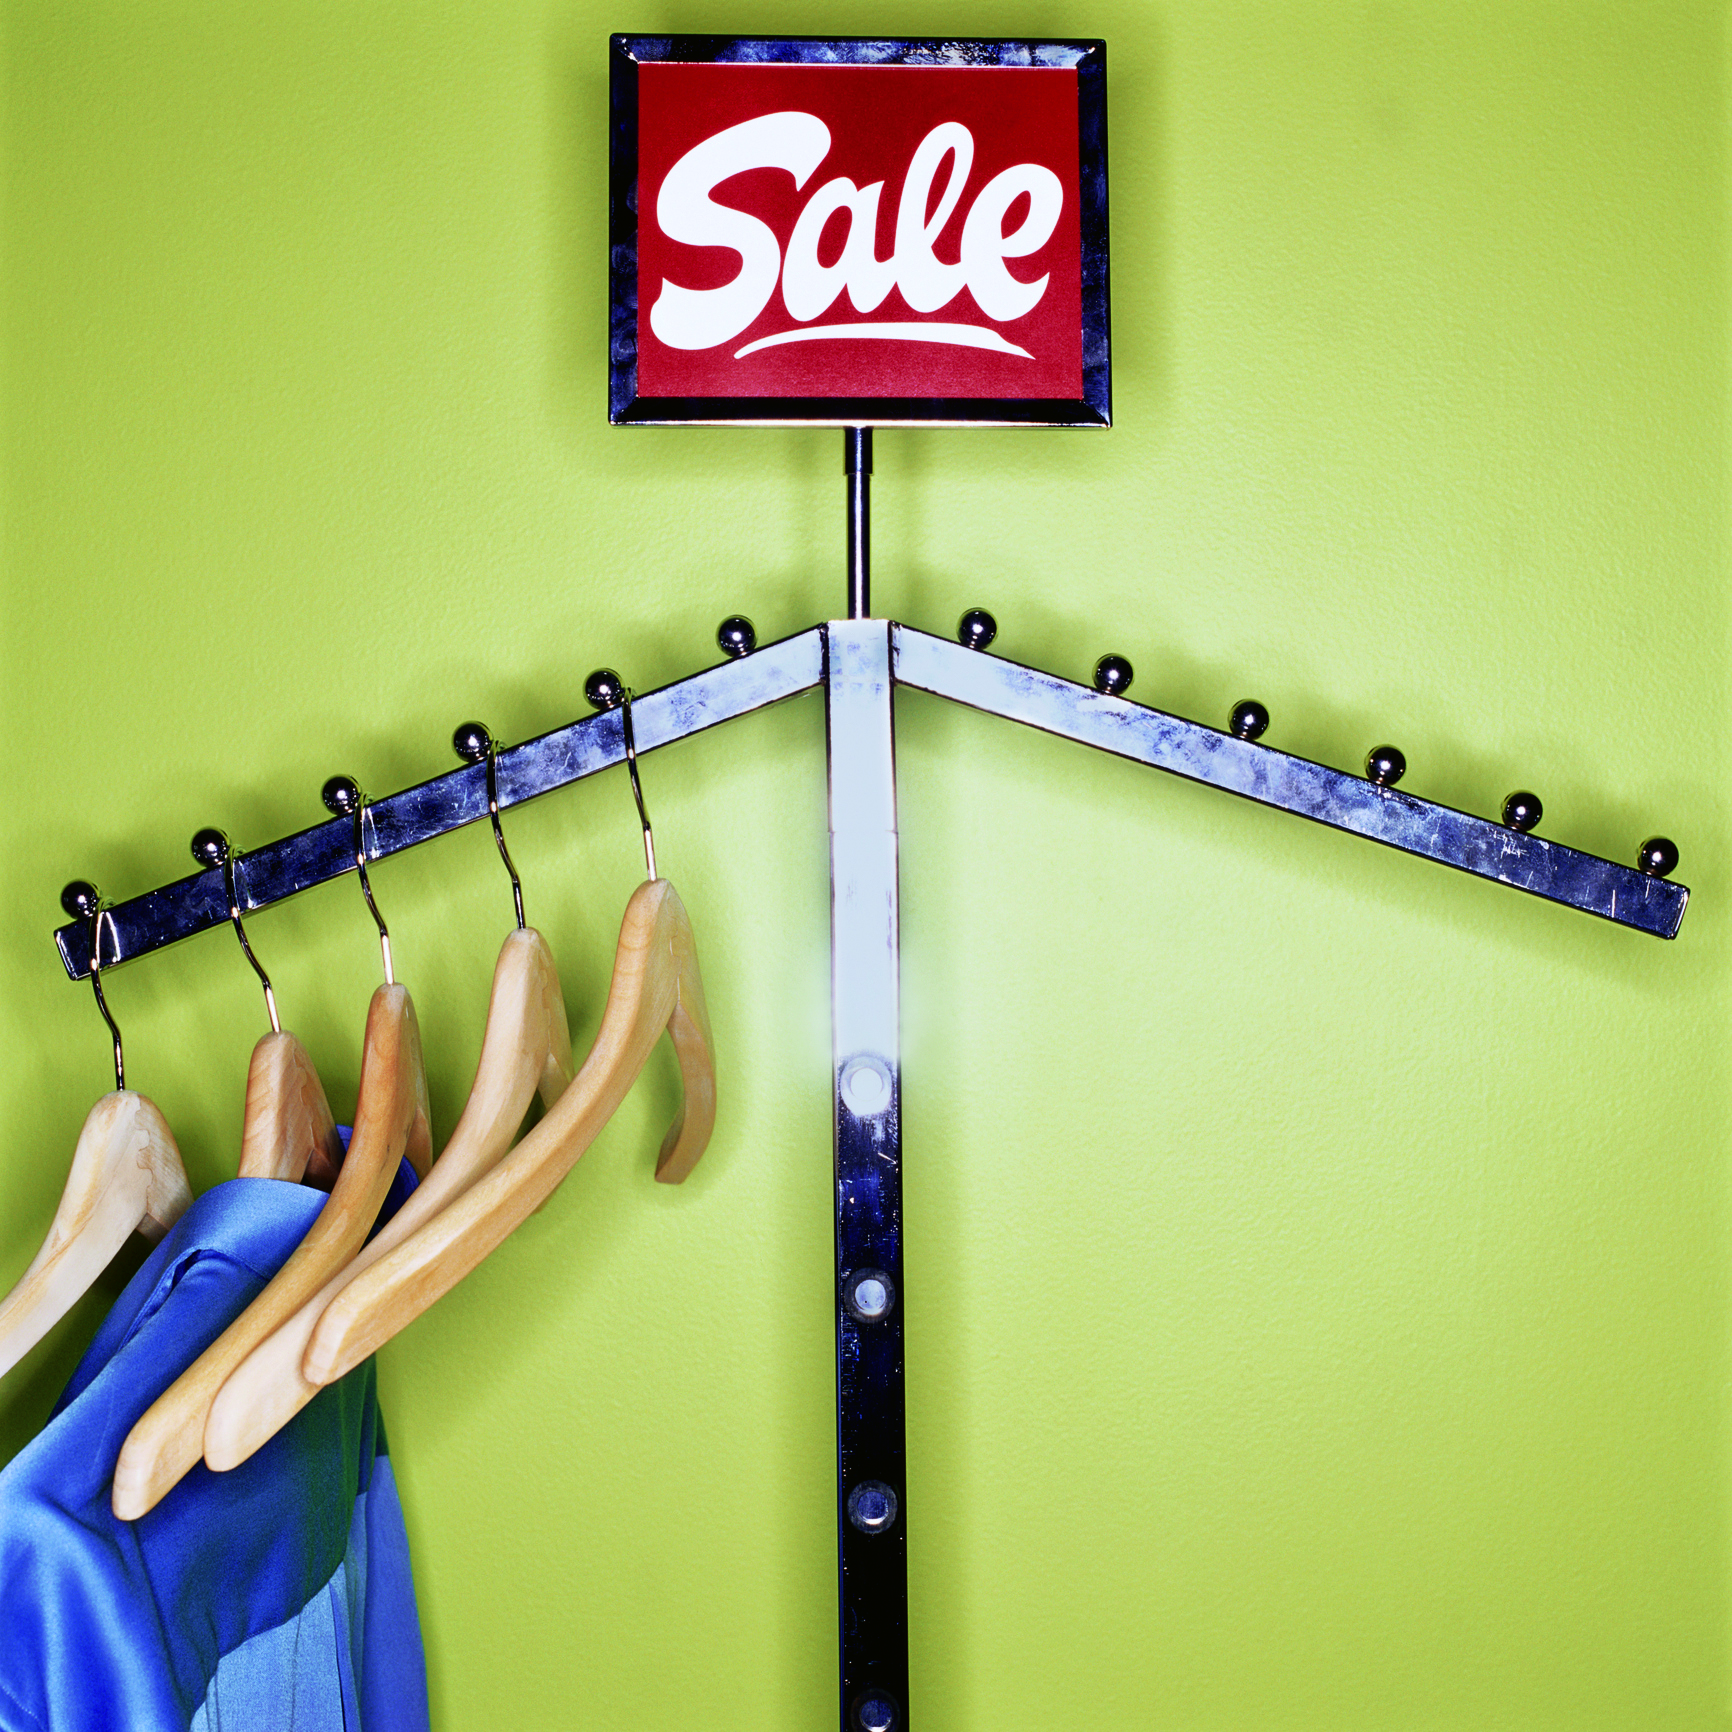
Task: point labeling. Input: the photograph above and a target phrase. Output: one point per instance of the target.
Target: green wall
(1317, 1260)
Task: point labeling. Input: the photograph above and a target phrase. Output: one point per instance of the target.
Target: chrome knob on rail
(604, 689)
(1658, 857)
(472, 742)
(342, 795)
(1522, 811)
(1249, 720)
(736, 636)
(80, 899)
(1113, 676)
(976, 629)
(1385, 765)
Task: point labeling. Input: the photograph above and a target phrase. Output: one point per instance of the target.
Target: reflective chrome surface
(448, 802)
(736, 636)
(865, 1010)
(1334, 797)
(857, 466)
(1385, 765)
(1249, 720)
(976, 629)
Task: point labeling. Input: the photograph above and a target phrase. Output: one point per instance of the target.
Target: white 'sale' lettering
(702, 318)
(796, 143)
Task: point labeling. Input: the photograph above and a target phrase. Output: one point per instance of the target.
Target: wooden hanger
(390, 1121)
(526, 1050)
(288, 1131)
(656, 985)
(126, 1177)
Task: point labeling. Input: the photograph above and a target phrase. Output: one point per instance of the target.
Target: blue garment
(277, 1595)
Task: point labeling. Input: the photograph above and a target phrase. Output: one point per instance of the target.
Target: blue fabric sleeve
(108, 1624)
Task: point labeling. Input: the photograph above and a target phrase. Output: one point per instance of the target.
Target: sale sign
(859, 232)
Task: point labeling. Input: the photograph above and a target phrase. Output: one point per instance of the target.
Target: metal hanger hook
(607, 691)
(649, 839)
(473, 744)
(80, 899)
(212, 848)
(342, 795)
(96, 987)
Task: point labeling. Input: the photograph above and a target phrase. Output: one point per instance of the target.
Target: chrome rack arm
(279, 869)
(1335, 797)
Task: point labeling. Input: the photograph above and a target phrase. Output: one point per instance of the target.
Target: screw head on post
(869, 1295)
(1385, 765)
(604, 689)
(472, 742)
(875, 1711)
(1658, 857)
(210, 847)
(1113, 676)
(1522, 810)
(976, 629)
(872, 1506)
(736, 636)
(1249, 720)
(79, 899)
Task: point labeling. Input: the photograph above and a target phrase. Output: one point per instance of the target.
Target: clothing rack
(859, 662)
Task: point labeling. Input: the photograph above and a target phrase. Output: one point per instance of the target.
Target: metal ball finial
(976, 629)
(1113, 676)
(1522, 811)
(80, 899)
(1249, 720)
(1658, 857)
(1385, 765)
(736, 636)
(210, 847)
(342, 795)
(604, 689)
(472, 742)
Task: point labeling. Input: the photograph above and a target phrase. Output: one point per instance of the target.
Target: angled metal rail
(1338, 798)
(979, 680)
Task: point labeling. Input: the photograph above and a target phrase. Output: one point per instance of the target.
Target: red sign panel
(812, 239)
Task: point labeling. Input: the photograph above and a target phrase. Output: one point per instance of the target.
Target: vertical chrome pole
(857, 465)
(871, 1492)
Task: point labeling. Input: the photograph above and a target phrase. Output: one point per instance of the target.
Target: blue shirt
(276, 1595)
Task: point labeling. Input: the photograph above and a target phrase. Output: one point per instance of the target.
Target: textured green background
(1317, 1261)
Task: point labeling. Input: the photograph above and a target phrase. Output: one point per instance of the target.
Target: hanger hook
(606, 691)
(81, 901)
(473, 743)
(212, 848)
(342, 795)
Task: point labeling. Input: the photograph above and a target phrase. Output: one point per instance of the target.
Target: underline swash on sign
(907, 331)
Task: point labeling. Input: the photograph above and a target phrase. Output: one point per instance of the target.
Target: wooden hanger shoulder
(126, 1177)
(290, 1131)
